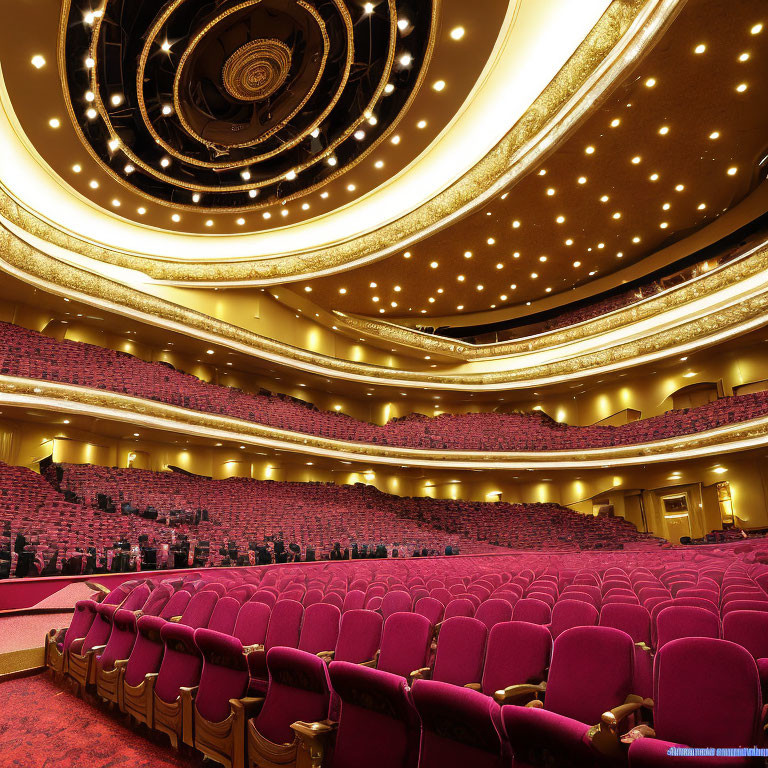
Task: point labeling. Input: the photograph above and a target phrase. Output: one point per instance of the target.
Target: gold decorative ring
(256, 70)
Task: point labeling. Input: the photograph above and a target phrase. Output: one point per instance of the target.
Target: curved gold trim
(742, 312)
(625, 31)
(67, 398)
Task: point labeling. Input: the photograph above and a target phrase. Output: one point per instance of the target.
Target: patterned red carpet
(43, 726)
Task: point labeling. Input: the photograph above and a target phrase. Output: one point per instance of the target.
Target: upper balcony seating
(28, 354)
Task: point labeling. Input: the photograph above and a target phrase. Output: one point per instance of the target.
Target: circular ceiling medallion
(235, 106)
(256, 70)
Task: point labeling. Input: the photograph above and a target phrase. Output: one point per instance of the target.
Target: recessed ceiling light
(266, 215)
(467, 254)
(679, 187)
(619, 254)
(165, 162)
(308, 288)
(700, 48)
(406, 59)
(253, 192)
(38, 61)
(615, 122)
(240, 222)
(434, 264)
(379, 164)
(542, 259)
(650, 82)
(407, 255)
(342, 291)
(560, 219)
(654, 177)
(604, 199)
(569, 241)
(165, 45)
(77, 168)
(91, 113)
(663, 225)
(635, 239)
(458, 32)
(543, 172)
(515, 224)
(89, 96)
(732, 171)
(291, 175)
(141, 211)
(582, 179)
(617, 215)
(372, 120)
(113, 144)
(439, 85)
(54, 122)
(664, 130)
(744, 57)
(533, 275)
(577, 264)
(116, 99)
(93, 184)
(176, 217)
(305, 206)
(388, 88)
(741, 87)
(167, 109)
(636, 160)
(351, 187)
(702, 206)
(714, 135)
(402, 24)
(196, 197)
(551, 191)
(491, 241)
(666, 207)
(359, 135)
(421, 124)
(115, 203)
(757, 29)
(284, 212)
(480, 287)
(590, 150)
(324, 195)
(395, 139)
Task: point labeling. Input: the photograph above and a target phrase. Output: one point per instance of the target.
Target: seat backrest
(224, 615)
(632, 619)
(252, 622)
(182, 661)
(121, 639)
(299, 689)
(85, 612)
(431, 608)
(354, 600)
(176, 605)
(284, 624)
(376, 709)
(224, 675)
(459, 726)
(531, 610)
(199, 609)
(685, 621)
(459, 606)
(394, 602)
(591, 672)
(749, 629)
(494, 611)
(404, 643)
(706, 693)
(359, 636)
(460, 651)
(157, 600)
(572, 613)
(743, 605)
(264, 596)
(517, 652)
(320, 628)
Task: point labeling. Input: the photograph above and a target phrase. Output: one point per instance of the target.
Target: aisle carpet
(44, 726)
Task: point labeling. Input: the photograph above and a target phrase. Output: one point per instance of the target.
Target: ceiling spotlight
(166, 46)
(744, 57)
(290, 176)
(77, 168)
(569, 241)
(388, 88)
(617, 215)
(406, 59)
(115, 203)
(332, 161)
(702, 206)
(372, 120)
(604, 199)
(141, 211)
(433, 264)
(636, 160)
(757, 29)
(679, 187)
(240, 222)
(732, 170)
(533, 275)
(196, 197)
(439, 85)
(54, 122)
(635, 239)
(38, 61)
(89, 96)
(209, 223)
(551, 191)
(576, 264)
(650, 82)
(324, 195)
(590, 150)
(654, 177)
(741, 88)
(165, 162)
(167, 109)
(664, 130)
(129, 169)
(515, 224)
(458, 32)
(93, 184)
(700, 48)
(615, 122)
(560, 219)
(663, 225)
(421, 124)
(91, 113)
(284, 212)
(395, 139)
(379, 164)
(368, 7)
(116, 99)
(342, 291)
(491, 241)
(253, 193)
(90, 63)
(351, 187)
(305, 206)
(582, 179)
(113, 144)
(359, 135)
(714, 135)
(176, 218)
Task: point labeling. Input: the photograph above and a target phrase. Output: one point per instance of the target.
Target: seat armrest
(314, 739)
(251, 705)
(644, 647)
(513, 693)
(424, 673)
(535, 704)
(96, 649)
(249, 649)
(327, 656)
(175, 619)
(474, 686)
(100, 588)
(373, 663)
(605, 736)
(120, 663)
(138, 614)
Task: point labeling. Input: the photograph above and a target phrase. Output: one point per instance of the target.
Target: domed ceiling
(238, 106)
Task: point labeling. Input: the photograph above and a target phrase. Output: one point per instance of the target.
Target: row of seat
(265, 666)
(28, 354)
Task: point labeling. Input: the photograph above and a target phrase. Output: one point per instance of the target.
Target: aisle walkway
(42, 726)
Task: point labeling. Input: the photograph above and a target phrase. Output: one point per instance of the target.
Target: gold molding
(69, 398)
(48, 273)
(524, 145)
